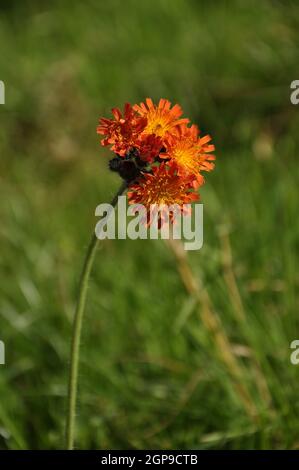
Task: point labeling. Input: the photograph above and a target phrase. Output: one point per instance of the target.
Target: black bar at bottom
(138, 458)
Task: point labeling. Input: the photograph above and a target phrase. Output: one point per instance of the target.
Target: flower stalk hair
(160, 158)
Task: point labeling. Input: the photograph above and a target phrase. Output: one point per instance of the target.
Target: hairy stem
(76, 332)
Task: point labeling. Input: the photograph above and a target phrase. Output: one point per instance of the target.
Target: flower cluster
(157, 152)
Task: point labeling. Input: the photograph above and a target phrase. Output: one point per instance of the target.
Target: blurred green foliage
(150, 375)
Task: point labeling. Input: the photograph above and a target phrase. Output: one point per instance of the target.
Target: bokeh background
(163, 364)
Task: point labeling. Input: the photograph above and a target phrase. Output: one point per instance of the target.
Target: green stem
(76, 333)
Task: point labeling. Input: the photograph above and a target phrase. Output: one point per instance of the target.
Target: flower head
(189, 151)
(161, 118)
(162, 189)
(123, 131)
(149, 146)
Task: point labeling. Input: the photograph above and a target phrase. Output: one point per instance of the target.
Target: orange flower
(161, 189)
(123, 131)
(160, 119)
(148, 146)
(189, 151)
(145, 135)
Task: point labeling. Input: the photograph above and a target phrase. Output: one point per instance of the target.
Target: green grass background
(150, 374)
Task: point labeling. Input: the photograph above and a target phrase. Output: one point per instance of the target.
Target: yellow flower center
(157, 123)
(162, 192)
(186, 156)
